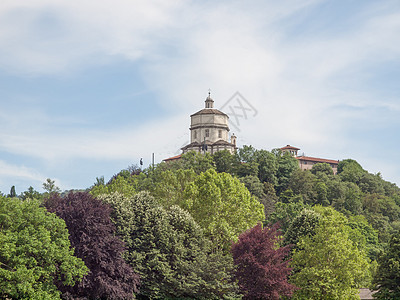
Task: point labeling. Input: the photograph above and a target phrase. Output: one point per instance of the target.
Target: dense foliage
(327, 263)
(179, 219)
(35, 253)
(387, 280)
(169, 250)
(261, 266)
(91, 233)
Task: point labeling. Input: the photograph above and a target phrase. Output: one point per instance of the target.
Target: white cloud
(54, 36)
(303, 88)
(18, 174)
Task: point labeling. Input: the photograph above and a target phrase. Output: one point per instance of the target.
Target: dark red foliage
(262, 270)
(92, 235)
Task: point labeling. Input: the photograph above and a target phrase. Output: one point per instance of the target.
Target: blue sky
(88, 88)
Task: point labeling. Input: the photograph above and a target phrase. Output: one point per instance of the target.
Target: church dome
(209, 109)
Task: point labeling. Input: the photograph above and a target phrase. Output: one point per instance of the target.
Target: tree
(370, 183)
(254, 185)
(197, 161)
(350, 170)
(303, 225)
(169, 250)
(365, 236)
(267, 166)
(270, 198)
(222, 206)
(92, 235)
(171, 185)
(34, 252)
(224, 161)
(218, 202)
(387, 277)
(50, 187)
(99, 181)
(323, 168)
(328, 265)
(321, 193)
(12, 194)
(247, 154)
(247, 169)
(286, 211)
(126, 185)
(31, 193)
(261, 268)
(287, 164)
(302, 182)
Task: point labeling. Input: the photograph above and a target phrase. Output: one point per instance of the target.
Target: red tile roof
(289, 147)
(173, 158)
(318, 160)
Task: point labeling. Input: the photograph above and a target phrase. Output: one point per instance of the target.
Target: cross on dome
(209, 101)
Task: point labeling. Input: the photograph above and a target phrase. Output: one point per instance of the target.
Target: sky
(88, 88)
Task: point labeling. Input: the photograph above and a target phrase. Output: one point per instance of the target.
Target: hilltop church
(209, 131)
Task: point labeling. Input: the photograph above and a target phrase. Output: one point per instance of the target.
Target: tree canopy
(387, 278)
(222, 206)
(92, 235)
(169, 250)
(261, 266)
(328, 264)
(35, 253)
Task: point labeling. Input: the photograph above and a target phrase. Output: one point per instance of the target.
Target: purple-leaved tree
(91, 233)
(262, 270)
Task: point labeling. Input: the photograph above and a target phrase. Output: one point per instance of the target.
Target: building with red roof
(307, 162)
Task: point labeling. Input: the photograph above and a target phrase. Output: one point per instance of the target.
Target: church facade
(209, 131)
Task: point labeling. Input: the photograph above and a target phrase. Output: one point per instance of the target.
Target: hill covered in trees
(250, 225)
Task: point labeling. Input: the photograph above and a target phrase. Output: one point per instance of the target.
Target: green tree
(197, 161)
(218, 202)
(287, 164)
(247, 169)
(323, 168)
(328, 265)
(254, 185)
(247, 154)
(34, 252)
(126, 185)
(285, 212)
(224, 161)
(303, 225)
(223, 206)
(169, 250)
(365, 235)
(350, 170)
(387, 278)
(267, 166)
(302, 182)
(270, 198)
(370, 183)
(171, 185)
(321, 192)
(12, 194)
(264, 192)
(31, 193)
(50, 187)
